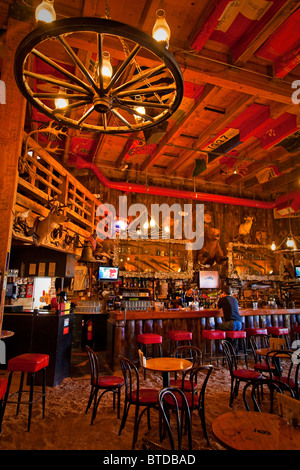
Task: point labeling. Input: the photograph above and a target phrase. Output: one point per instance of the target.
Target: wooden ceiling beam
(245, 50)
(215, 127)
(209, 92)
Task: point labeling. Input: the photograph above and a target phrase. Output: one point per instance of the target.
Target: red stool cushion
(146, 396)
(180, 335)
(256, 331)
(236, 334)
(3, 385)
(149, 338)
(297, 329)
(28, 362)
(276, 330)
(110, 381)
(247, 374)
(178, 383)
(213, 334)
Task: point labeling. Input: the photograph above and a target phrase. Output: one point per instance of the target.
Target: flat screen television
(108, 273)
(209, 280)
(297, 272)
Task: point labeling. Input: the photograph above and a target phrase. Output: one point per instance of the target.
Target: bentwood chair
(107, 383)
(191, 353)
(177, 424)
(256, 342)
(134, 395)
(237, 374)
(196, 397)
(291, 379)
(255, 389)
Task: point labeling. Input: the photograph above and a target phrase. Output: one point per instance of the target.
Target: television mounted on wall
(209, 280)
(297, 272)
(108, 273)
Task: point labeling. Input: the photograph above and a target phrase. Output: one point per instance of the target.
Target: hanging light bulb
(152, 222)
(139, 109)
(146, 225)
(61, 102)
(45, 11)
(106, 69)
(161, 31)
(273, 246)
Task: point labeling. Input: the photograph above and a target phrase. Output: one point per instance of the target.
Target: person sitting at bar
(229, 304)
(189, 296)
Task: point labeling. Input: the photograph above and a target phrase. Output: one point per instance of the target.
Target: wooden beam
(215, 127)
(12, 118)
(210, 91)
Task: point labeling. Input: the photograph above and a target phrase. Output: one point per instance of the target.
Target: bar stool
(297, 331)
(213, 335)
(30, 363)
(3, 387)
(255, 331)
(278, 331)
(178, 336)
(236, 335)
(146, 339)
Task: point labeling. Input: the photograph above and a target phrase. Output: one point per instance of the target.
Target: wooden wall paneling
(11, 125)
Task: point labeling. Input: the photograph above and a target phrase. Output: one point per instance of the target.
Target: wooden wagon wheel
(102, 105)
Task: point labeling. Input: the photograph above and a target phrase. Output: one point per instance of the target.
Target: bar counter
(123, 329)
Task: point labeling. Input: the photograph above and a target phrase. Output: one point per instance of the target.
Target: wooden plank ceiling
(236, 131)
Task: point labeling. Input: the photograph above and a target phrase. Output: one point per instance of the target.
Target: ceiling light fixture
(161, 31)
(45, 12)
(104, 98)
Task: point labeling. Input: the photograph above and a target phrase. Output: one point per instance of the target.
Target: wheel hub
(101, 104)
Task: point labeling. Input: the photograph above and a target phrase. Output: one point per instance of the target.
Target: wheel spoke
(146, 117)
(60, 69)
(55, 81)
(146, 104)
(123, 66)
(79, 104)
(118, 115)
(138, 78)
(78, 62)
(85, 115)
(65, 96)
(100, 60)
(147, 91)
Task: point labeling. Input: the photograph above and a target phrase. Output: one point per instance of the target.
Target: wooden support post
(12, 115)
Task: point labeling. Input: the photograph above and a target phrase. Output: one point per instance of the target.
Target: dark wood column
(11, 129)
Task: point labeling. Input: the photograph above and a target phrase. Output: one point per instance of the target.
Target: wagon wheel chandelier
(112, 94)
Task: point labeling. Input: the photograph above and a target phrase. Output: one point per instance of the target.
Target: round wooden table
(250, 430)
(165, 365)
(265, 351)
(6, 334)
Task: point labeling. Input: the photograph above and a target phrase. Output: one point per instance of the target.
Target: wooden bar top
(187, 313)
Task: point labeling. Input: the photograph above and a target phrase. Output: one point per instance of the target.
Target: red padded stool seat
(179, 335)
(213, 335)
(256, 331)
(235, 335)
(149, 338)
(297, 331)
(3, 387)
(279, 331)
(29, 363)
